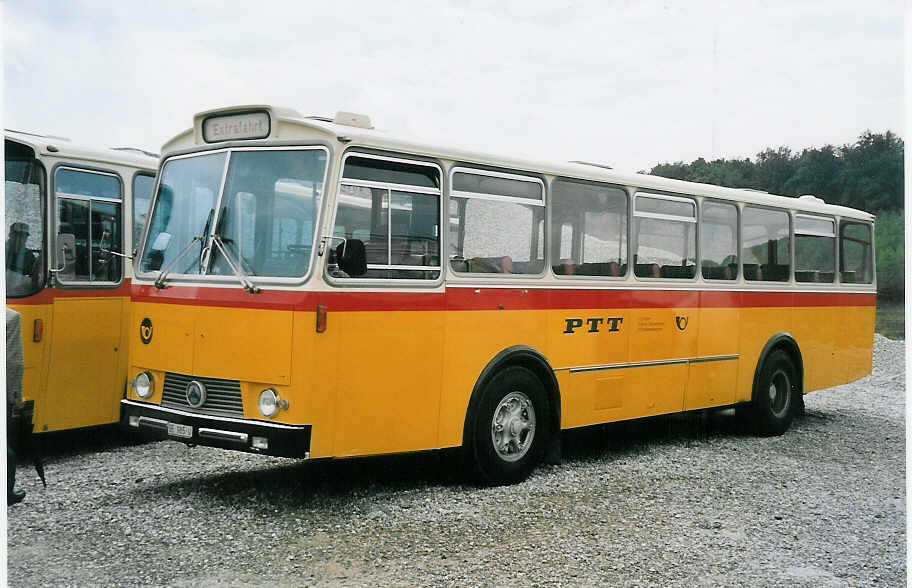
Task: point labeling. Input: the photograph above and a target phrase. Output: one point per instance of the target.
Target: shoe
(15, 497)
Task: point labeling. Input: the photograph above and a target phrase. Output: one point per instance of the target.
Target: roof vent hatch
(353, 119)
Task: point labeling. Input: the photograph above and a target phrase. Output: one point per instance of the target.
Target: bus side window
(89, 208)
(855, 263)
(665, 238)
(142, 199)
(815, 249)
(496, 223)
(766, 250)
(589, 225)
(393, 207)
(719, 241)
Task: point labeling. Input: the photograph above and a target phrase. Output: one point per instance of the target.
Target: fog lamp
(261, 443)
(268, 402)
(142, 385)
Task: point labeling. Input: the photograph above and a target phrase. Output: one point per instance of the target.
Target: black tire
(775, 399)
(514, 401)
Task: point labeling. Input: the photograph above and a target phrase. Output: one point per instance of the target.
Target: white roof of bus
(126, 156)
(370, 137)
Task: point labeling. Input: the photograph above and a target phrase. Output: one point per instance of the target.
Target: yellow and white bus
(69, 231)
(312, 287)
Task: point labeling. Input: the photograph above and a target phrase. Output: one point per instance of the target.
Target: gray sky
(630, 84)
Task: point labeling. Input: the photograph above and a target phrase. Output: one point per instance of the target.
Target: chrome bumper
(248, 435)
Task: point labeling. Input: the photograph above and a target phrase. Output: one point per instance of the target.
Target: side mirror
(352, 257)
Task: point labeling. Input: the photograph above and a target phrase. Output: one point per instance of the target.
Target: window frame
(54, 211)
(228, 147)
(635, 238)
(789, 214)
(332, 241)
(734, 204)
(549, 263)
(798, 214)
(479, 170)
(873, 256)
(142, 233)
(48, 241)
(219, 203)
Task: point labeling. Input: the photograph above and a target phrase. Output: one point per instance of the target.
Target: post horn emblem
(145, 330)
(196, 393)
(681, 321)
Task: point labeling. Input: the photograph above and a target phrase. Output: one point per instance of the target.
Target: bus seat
(491, 265)
(565, 267)
(677, 271)
(775, 272)
(648, 270)
(376, 252)
(459, 264)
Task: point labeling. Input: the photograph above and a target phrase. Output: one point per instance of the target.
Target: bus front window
(24, 188)
(269, 210)
(188, 192)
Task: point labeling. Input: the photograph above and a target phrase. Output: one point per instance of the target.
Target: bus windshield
(187, 193)
(268, 212)
(265, 216)
(24, 188)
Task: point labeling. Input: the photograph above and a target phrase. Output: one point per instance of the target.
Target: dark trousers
(10, 470)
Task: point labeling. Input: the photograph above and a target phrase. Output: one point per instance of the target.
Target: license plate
(176, 430)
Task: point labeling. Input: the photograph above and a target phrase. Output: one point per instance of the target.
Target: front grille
(223, 397)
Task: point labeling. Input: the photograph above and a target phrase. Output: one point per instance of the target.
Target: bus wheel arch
(531, 362)
(780, 363)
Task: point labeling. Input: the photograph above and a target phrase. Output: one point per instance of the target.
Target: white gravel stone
(687, 500)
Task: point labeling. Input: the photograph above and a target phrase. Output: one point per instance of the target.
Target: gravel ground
(680, 501)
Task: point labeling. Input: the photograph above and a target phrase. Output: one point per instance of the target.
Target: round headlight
(142, 385)
(269, 402)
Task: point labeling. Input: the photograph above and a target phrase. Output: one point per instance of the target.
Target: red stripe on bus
(48, 295)
(492, 299)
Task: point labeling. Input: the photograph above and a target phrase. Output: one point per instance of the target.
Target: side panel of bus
(87, 354)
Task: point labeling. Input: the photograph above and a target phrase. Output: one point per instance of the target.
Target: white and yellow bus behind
(70, 229)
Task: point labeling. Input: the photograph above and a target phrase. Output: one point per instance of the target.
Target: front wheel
(774, 400)
(509, 427)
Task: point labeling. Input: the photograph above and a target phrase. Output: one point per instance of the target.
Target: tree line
(866, 174)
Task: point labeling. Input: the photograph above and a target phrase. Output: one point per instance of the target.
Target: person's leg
(13, 496)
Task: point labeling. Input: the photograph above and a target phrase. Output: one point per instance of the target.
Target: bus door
(663, 320)
(397, 327)
(714, 370)
(589, 333)
(86, 350)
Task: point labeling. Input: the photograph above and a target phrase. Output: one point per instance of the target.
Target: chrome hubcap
(779, 391)
(513, 426)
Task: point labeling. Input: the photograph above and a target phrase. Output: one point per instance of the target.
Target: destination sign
(250, 125)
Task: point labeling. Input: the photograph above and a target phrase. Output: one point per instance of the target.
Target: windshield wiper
(204, 248)
(160, 280)
(234, 265)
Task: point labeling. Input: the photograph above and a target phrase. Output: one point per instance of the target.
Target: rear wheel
(774, 400)
(509, 427)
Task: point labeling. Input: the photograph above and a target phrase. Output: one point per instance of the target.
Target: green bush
(889, 245)
(866, 174)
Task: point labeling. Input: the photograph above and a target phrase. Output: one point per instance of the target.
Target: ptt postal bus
(313, 287)
(69, 229)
